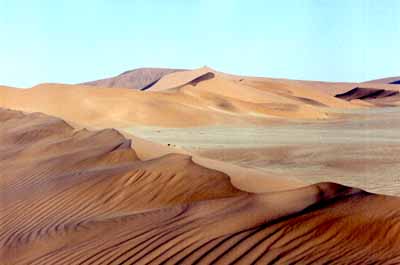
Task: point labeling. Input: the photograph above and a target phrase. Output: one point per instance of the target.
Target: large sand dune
(73, 196)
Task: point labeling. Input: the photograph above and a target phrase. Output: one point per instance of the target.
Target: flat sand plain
(360, 150)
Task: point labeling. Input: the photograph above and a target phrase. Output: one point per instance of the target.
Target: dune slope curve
(83, 197)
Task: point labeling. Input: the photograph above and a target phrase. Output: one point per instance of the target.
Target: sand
(357, 151)
(84, 197)
(201, 168)
(180, 79)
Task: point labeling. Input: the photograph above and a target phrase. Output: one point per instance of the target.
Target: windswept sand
(84, 197)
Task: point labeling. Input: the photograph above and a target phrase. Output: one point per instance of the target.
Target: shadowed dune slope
(377, 96)
(83, 197)
(141, 78)
(367, 93)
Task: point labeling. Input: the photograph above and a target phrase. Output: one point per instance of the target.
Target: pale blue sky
(72, 41)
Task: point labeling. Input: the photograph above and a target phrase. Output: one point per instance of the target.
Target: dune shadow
(366, 93)
(204, 77)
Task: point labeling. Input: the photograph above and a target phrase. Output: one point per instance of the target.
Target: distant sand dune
(181, 99)
(141, 78)
(84, 197)
(395, 80)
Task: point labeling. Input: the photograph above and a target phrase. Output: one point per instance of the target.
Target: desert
(208, 168)
(199, 132)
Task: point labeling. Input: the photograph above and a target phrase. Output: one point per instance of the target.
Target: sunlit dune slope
(84, 197)
(179, 79)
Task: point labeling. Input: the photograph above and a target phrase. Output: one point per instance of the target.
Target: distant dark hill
(141, 78)
(395, 80)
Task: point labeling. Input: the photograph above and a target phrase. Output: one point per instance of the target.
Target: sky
(72, 41)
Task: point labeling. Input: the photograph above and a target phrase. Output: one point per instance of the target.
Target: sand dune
(181, 99)
(62, 188)
(71, 195)
(141, 78)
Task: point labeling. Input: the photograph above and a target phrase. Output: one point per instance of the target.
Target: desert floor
(360, 150)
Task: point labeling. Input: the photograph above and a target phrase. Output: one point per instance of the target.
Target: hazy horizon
(72, 41)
